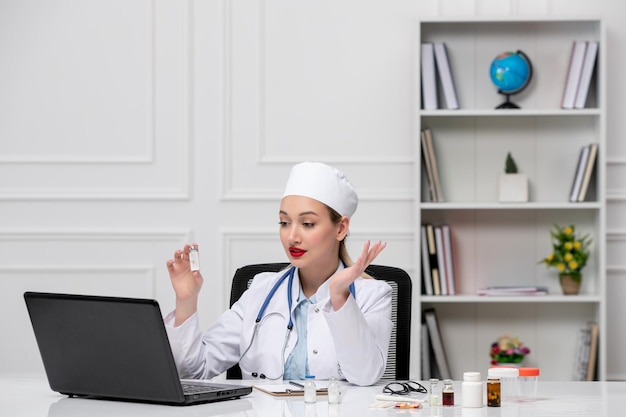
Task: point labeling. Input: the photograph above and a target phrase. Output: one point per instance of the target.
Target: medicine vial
(493, 391)
(194, 258)
(334, 393)
(472, 390)
(447, 394)
(435, 393)
(310, 391)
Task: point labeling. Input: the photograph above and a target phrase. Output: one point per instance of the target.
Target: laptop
(113, 348)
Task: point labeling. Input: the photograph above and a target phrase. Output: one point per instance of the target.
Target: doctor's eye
(308, 225)
(283, 223)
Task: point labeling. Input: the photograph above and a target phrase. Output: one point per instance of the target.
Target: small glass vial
(493, 391)
(334, 393)
(447, 394)
(472, 390)
(194, 258)
(435, 393)
(310, 391)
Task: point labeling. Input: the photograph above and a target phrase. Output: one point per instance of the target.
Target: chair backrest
(400, 282)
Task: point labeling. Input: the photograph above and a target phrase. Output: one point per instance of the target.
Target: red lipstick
(296, 252)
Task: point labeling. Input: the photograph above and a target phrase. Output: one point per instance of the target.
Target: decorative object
(508, 350)
(569, 255)
(513, 186)
(511, 73)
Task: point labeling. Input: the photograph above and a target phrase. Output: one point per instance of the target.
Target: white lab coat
(350, 343)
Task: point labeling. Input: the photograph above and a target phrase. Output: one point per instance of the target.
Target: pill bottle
(509, 389)
(528, 380)
(447, 393)
(194, 258)
(310, 391)
(435, 393)
(493, 391)
(334, 393)
(472, 390)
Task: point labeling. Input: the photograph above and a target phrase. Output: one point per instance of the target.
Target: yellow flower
(569, 253)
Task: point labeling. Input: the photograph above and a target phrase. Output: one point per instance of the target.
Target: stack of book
(435, 61)
(513, 291)
(581, 67)
(584, 171)
(438, 271)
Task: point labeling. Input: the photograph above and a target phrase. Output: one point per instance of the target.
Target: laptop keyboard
(198, 388)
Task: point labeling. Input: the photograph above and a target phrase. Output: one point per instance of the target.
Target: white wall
(130, 128)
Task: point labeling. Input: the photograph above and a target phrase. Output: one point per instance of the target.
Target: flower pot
(513, 188)
(570, 283)
(509, 364)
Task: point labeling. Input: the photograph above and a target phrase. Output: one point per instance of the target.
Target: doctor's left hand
(340, 282)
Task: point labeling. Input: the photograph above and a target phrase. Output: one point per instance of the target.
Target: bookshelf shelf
(512, 206)
(500, 244)
(538, 299)
(511, 113)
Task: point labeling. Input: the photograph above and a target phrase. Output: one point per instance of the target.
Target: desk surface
(32, 397)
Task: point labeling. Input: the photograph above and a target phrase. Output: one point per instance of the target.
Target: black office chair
(400, 282)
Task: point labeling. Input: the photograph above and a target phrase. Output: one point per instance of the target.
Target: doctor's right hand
(186, 284)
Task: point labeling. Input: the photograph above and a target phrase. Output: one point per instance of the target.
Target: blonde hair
(335, 217)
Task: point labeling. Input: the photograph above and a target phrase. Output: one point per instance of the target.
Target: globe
(510, 72)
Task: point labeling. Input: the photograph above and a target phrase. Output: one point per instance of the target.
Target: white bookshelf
(502, 243)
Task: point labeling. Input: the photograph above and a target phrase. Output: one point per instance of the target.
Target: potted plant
(569, 255)
(508, 351)
(513, 186)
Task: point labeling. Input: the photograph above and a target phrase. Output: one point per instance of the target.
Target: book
(589, 64)
(580, 173)
(513, 290)
(429, 80)
(449, 258)
(592, 357)
(432, 257)
(425, 352)
(433, 163)
(437, 344)
(426, 272)
(582, 351)
(428, 167)
(573, 76)
(445, 76)
(591, 161)
(441, 261)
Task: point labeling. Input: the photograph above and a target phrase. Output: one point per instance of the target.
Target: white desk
(31, 397)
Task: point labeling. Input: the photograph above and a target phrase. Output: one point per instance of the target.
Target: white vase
(513, 188)
(510, 364)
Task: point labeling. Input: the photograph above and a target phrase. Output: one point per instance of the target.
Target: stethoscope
(261, 316)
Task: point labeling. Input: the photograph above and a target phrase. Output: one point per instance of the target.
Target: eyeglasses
(404, 388)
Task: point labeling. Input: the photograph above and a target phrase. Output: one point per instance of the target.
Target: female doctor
(320, 316)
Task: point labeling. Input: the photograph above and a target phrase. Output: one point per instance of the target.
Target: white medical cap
(325, 184)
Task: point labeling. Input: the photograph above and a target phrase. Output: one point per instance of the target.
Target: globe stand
(508, 104)
(511, 72)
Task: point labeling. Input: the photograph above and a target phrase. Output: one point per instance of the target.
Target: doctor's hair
(335, 217)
